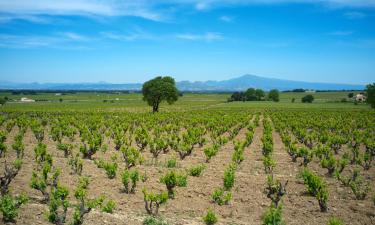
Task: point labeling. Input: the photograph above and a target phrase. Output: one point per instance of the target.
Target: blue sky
(121, 41)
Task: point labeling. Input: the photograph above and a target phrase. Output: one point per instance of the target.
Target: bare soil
(190, 204)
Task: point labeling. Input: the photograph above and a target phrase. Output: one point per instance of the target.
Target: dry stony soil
(247, 206)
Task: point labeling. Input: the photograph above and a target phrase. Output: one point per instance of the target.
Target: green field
(82, 101)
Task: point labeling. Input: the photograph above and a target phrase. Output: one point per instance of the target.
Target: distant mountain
(236, 84)
(246, 81)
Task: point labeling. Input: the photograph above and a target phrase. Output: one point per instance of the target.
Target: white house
(360, 98)
(27, 100)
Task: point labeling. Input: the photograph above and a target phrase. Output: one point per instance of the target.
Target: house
(360, 98)
(27, 100)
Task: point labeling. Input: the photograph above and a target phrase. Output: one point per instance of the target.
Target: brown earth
(190, 204)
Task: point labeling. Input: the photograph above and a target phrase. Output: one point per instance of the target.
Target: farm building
(360, 98)
(27, 100)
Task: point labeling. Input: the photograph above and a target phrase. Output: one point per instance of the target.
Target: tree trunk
(155, 107)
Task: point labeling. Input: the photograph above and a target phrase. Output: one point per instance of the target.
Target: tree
(250, 95)
(370, 92)
(259, 93)
(274, 95)
(159, 89)
(237, 96)
(351, 95)
(308, 99)
(2, 101)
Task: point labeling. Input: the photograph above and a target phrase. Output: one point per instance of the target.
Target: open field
(251, 141)
(83, 101)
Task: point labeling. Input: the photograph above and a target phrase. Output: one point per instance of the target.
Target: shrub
(94, 142)
(273, 216)
(197, 170)
(268, 163)
(132, 156)
(66, 148)
(109, 167)
(128, 176)
(84, 205)
(9, 174)
(210, 218)
(238, 156)
(275, 190)
(76, 164)
(18, 145)
(307, 99)
(9, 206)
(57, 199)
(171, 163)
(335, 221)
(210, 152)
(3, 149)
(329, 163)
(359, 187)
(153, 201)
(109, 207)
(171, 180)
(306, 154)
(316, 187)
(221, 197)
(229, 175)
(149, 220)
(41, 154)
(184, 149)
(42, 181)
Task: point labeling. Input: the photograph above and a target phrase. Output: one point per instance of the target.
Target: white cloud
(74, 36)
(37, 41)
(341, 33)
(209, 36)
(354, 15)
(138, 8)
(226, 19)
(151, 10)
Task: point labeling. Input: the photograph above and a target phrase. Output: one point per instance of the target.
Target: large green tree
(159, 89)
(274, 95)
(2, 101)
(259, 93)
(370, 92)
(308, 99)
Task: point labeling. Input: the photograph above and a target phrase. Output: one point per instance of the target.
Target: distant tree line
(253, 94)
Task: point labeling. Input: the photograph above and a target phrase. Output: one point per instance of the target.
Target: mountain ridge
(240, 83)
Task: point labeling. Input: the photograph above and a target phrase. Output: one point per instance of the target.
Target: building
(360, 98)
(27, 100)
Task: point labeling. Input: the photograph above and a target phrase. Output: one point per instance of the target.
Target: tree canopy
(2, 101)
(274, 95)
(370, 92)
(308, 99)
(159, 89)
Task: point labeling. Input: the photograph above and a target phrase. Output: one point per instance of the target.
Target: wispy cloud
(138, 8)
(74, 36)
(341, 33)
(151, 10)
(360, 43)
(226, 19)
(355, 15)
(209, 36)
(126, 37)
(40, 41)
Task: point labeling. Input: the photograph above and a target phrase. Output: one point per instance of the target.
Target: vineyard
(224, 166)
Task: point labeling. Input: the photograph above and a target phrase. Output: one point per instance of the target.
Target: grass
(83, 101)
